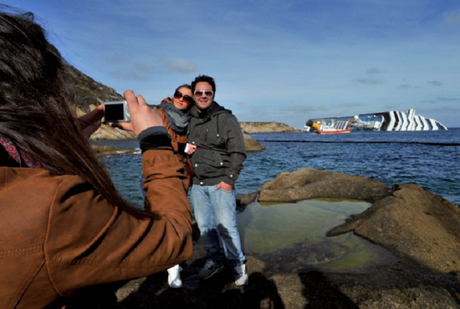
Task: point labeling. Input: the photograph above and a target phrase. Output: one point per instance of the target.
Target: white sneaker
(174, 279)
(241, 274)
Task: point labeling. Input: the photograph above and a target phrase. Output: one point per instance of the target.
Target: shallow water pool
(292, 237)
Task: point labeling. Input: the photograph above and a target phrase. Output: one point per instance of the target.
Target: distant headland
(266, 127)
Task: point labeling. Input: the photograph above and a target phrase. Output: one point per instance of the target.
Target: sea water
(279, 232)
(427, 158)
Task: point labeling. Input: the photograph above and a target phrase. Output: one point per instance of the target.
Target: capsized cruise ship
(382, 121)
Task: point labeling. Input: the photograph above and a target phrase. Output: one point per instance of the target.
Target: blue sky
(273, 60)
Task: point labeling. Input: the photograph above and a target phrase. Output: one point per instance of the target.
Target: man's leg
(224, 204)
(204, 215)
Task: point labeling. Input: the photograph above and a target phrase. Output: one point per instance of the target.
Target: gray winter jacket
(220, 145)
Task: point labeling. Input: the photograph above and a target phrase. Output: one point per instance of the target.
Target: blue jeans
(215, 214)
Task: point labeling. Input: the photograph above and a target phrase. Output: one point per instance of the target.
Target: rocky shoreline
(419, 230)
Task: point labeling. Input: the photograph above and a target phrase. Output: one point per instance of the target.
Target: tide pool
(296, 234)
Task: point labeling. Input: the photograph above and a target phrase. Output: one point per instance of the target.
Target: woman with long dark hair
(63, 225)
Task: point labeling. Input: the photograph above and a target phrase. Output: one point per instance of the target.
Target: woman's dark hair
(34, 106)
(183, 86)
(204, 78)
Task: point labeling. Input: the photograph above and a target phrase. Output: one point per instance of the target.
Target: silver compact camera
(116, 111)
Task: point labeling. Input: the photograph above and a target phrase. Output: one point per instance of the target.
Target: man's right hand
(190, 148)
(224, 186)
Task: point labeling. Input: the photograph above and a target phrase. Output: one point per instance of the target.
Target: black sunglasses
(179, 95)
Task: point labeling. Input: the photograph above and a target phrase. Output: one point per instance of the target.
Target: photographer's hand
(90, 122)
(142, 115)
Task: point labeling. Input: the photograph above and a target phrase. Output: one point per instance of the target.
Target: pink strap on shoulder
(17, 155)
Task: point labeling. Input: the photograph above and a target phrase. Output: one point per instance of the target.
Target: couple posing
(215, 144)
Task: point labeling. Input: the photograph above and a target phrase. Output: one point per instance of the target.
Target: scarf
(18, 155)
(178, 120)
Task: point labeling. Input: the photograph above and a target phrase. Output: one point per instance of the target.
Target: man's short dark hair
(204, 78)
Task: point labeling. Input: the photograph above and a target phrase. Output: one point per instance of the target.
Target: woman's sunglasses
(179, 95)
(200, 93)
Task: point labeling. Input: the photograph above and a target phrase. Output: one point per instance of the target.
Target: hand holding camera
(133, 114)
(116, 111)
(90, 122)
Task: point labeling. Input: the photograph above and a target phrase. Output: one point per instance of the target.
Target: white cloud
(180, 65)
(369, 81)
(452, 18)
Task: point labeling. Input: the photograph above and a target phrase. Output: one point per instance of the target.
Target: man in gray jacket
(217, 141)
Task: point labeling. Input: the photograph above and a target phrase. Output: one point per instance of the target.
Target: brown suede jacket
(59, 236)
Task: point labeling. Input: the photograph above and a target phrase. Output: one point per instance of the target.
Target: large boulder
(251, 144)
(414, 223)
(309, 183)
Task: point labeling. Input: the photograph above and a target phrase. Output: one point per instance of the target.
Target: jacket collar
(214, 108)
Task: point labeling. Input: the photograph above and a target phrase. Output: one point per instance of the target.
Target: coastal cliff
(86, 92)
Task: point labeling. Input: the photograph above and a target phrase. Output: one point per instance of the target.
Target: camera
(116, 111)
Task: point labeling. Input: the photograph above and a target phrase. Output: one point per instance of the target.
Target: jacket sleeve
(235, 148)
(90, 241)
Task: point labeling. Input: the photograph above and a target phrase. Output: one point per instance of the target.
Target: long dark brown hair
(34, 106)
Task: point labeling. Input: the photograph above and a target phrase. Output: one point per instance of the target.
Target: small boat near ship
(331, 126)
